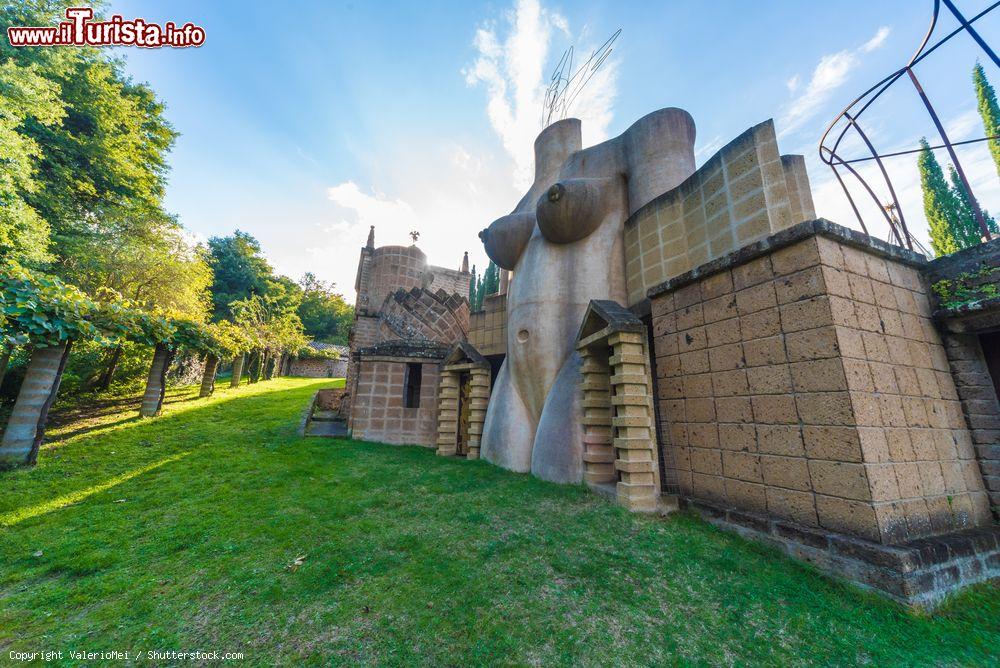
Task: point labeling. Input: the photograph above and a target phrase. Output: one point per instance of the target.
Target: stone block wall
(319, 368)
(802, 378)
(488, 327)
(744, 193)
(453, 282)
(977, 393)
(377, 412)
(394, 268)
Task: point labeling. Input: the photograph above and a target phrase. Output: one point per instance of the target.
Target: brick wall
(488, 327)
(377, 412)
(425, 315)
(807, 382)
(745, 192)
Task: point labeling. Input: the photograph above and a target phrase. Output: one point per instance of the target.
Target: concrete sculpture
(564, 244)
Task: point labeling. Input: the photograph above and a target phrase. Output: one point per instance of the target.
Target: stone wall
(744, 193)
(393, 268)
(377, 412)
(802, 378)
(453, 282)
(976, 390)
(319, 368)
(488, 327)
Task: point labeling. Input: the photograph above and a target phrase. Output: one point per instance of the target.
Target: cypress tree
(940, 205)
(967, 232)
(989, 110)
(472, 290)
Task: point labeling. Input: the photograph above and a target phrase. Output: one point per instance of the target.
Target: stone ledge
(920, 573)
(787, 237)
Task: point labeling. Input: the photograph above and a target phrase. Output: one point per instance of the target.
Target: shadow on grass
(93, 455)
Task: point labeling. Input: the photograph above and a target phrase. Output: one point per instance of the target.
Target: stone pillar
(447, 414)
(980, 406)
(598, 453)
(635, 443)
(480, 379)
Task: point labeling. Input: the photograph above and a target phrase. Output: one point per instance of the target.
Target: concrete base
(920, 573)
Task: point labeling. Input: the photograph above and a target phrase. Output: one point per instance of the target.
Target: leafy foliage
(989, 111)
(239, 271)
(969, 288)
(42, 310)
(324, 313)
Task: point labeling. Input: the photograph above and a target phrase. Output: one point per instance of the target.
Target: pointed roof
(463, 351)
(603, 318)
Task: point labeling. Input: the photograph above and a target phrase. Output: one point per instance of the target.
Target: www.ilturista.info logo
(80, 30)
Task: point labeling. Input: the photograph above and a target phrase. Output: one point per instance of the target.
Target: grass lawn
(180, 533)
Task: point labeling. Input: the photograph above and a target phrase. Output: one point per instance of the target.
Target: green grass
(179, 533)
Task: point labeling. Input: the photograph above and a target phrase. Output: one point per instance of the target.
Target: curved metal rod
(878, 203)
(851, 113)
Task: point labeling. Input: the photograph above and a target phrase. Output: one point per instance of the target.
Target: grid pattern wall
(810, 385)
(744, 193)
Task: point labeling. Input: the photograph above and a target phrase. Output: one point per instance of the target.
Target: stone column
(208, 377)
(237, 370)
(447, 414)
(598, 453)
(25, 428)
(635, 443)
(480, 379)
(156, 382)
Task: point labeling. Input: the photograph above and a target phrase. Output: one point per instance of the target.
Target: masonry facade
(408, 314)
(789, 379)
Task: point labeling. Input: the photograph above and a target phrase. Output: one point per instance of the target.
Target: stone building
(407, 317)
(670, 335)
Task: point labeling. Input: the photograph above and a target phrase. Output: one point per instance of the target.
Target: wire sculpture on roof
(565, 84)
(848, 120)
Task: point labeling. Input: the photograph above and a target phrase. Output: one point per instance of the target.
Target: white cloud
(793, 83)
(370, 209)
(877, 41)
(513, 69)
(447, 193)
(964, 126)
(709, 148)
(830, 73)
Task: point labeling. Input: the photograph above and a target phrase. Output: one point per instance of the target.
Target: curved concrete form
(576, 209)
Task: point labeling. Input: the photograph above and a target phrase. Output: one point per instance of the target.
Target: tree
(989, 110)
(940, 203)
(968, 233)
(104, 157)
(24, 96)
(473, 290)
(46, 314)
(324, 313)
(239, 271)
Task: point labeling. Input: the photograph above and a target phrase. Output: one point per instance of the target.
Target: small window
(411, 388)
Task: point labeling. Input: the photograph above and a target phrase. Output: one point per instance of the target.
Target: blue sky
(305, 122)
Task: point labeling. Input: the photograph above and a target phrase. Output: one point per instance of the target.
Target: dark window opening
(411, 392)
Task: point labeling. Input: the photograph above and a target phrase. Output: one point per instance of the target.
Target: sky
(305, 122)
